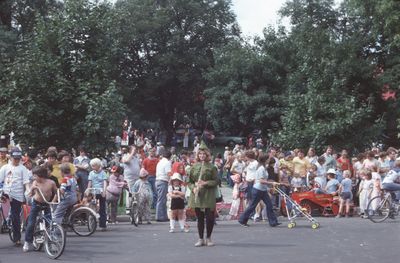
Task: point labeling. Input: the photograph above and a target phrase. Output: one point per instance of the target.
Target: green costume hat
(203, 146)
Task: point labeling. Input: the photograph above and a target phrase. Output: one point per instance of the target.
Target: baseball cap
(16, 153)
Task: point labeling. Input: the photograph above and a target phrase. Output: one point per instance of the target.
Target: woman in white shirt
(260, 192)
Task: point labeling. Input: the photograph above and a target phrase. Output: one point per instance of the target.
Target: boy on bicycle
(68, 189)
(48, 189)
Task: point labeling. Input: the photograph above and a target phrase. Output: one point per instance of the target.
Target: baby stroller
(294, 210)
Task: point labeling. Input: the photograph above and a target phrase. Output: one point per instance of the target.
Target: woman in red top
(344, 163)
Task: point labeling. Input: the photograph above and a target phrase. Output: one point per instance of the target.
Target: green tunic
(206, 195)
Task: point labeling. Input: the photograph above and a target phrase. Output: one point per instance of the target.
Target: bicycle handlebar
(50, 203)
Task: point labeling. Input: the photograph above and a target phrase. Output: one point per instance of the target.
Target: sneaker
(338, 216)
(171, 230)
(186, 230)
(277, 224)
(199, 243)
(243, 224)
(27, 247)
(209, 243)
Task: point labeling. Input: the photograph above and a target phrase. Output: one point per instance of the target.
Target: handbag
(218, 195)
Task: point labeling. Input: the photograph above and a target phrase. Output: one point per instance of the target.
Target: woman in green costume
(203, 181)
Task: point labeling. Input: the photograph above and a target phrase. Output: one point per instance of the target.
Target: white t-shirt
(391, 177)
(238, 166)
(14, 179)
(251, 171)
(164, 166)
(131, 168)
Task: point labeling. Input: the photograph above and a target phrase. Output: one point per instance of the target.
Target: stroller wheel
(314, 225)
(291, 225)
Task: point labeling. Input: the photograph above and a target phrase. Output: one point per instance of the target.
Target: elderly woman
(203, 181)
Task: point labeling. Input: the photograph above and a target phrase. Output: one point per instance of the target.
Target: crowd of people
(173, 183)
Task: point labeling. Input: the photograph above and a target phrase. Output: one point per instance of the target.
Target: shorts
(346, 195)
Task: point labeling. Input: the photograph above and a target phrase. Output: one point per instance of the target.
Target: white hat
(331, 171)
(176, 176)
(391, 173)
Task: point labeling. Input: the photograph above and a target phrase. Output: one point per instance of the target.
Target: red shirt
(150, 165)
(344, 164)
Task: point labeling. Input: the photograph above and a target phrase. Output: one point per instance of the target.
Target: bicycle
(382, 206)
(5, 216)
(134, 214)
(82, 220)
(48, 233)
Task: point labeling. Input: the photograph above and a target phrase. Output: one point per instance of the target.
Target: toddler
(145, 196)
(365, 191)
(176, 191)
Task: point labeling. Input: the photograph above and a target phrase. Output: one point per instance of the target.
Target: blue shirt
(261, 173)
(97, 179)
(331, 186)
(346, 185)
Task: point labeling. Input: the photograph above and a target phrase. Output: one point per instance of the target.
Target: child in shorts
(176, 191)
(345, 194)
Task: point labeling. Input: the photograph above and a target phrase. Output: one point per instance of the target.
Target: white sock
(182, 224)
(172, 224)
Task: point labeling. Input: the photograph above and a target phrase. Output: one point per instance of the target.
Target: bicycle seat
(42, 206)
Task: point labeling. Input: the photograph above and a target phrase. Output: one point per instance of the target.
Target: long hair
(208, 156)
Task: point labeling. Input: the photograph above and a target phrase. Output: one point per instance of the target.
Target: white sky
(254, 15)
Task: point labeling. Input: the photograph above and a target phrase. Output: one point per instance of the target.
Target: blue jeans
(102, 210)
(392, 187)
(257, 196)
(35, 210)
(161, 208)
(152, 181)
(15, 218)
(62, 208)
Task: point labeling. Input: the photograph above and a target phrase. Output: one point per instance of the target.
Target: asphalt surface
(337, 240)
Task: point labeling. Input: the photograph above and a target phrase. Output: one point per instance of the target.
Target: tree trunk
(5, 13)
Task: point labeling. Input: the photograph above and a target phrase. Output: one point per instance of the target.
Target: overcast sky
(254, 15)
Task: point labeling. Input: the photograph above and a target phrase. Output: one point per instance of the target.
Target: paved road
(338, 240)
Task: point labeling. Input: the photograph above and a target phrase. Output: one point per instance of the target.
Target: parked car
(225, 139)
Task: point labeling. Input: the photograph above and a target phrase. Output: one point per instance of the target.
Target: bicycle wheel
(134, 214)
(378, 210)
(38, 237)
(54, 243)
(10, 231)
(83, 222)
(2, 222)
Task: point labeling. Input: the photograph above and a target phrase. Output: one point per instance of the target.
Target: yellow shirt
(289, 164)
(3, 162)
(301, 166)
(57, 172)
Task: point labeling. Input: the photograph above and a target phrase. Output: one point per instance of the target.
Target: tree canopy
(71, 71)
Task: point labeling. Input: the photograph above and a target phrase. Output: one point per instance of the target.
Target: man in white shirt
(82, 170)
(163, 170)
(131, 164)
(15, 180)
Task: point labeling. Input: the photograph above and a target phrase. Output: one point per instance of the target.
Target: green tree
(244, 87)
(331, 89)
(61, 91)
(166, 48)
